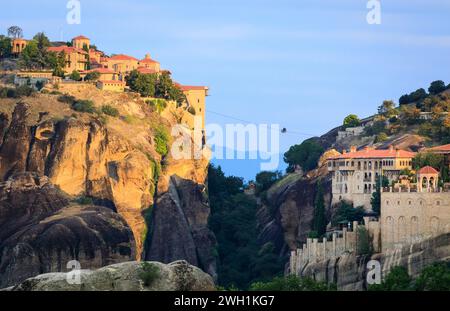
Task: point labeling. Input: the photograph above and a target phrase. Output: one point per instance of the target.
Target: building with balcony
(354, 173)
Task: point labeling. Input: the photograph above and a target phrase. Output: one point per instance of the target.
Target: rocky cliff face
(177, 276)
(113, 162)
(349, 272)
(41, 230)
(286, 218)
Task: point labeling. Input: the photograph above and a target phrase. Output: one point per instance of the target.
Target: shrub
(84, 106)
(157, 104)
(161, 140)
(149, 274)
(110, 111)
(398, 279)
(92, 76)
(382, 137)
(192, 111)
(351, 121)
(434, 278)
(75, 76)
(292, 283)
(68, 99)
(84, 200)
(24, 91)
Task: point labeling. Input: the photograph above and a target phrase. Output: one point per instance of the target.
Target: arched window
(434, 225)
(414, 228)
(390, 229)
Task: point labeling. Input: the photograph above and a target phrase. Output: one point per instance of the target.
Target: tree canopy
(307, 155)
(351, 121)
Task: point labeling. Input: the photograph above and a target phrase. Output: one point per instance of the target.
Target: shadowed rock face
(177, 276)
(286, 219)
(41, 231)
(179, 226)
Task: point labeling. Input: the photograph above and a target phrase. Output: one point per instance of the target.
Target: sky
(304, 65)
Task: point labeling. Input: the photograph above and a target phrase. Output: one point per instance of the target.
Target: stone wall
(410, 217)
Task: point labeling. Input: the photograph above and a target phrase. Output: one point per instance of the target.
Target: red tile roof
(145, 70)
(375, 154)
(65, 49)
(428, 170)
(191, 87)
(444, 148)
(148, 60)
(101, 70)
(123, 57)
(81, 38)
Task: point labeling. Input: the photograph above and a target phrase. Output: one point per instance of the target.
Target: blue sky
(302, 64)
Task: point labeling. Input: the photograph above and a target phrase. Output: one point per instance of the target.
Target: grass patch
(110, 111)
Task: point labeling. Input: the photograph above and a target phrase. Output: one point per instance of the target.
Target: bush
(83, 200)
(347, 213)
(382, 137)
(92, 76)
(68, 99)
(306, 155)
(434, 278)
(84, 106)
(149, 274)
(292, 283)
(398, 279)
(351, 121)
(110, 111)
(161, 140)
(192, 111)
(157, 104)
(75, 76)
(24, 91)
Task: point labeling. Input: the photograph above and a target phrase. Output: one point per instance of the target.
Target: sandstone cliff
(41, 230)
(112, 161)
(349, 271)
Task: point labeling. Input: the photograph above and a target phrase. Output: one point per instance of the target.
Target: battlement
(315, 251)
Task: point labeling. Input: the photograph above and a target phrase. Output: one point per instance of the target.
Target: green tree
(5, 47)
(351, 120)
(387, 109)
(434, 278)
(92, 76)
(437, 87)
(382, 137)
(307, 155)
(320, 221)
(161, 140)
(375, 201)
(345, 213)
(15, 32)
(264, 180)
(398, 279)
(143, 84)
(75, 76)
(30, 56)
(42, 41)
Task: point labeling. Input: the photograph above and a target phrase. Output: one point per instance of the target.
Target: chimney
(147, 56)
(353, 149)
(391, 148)
(344, 151)
(367, 149)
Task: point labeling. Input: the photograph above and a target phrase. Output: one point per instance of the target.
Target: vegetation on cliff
(242, 260)
(433, 278)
